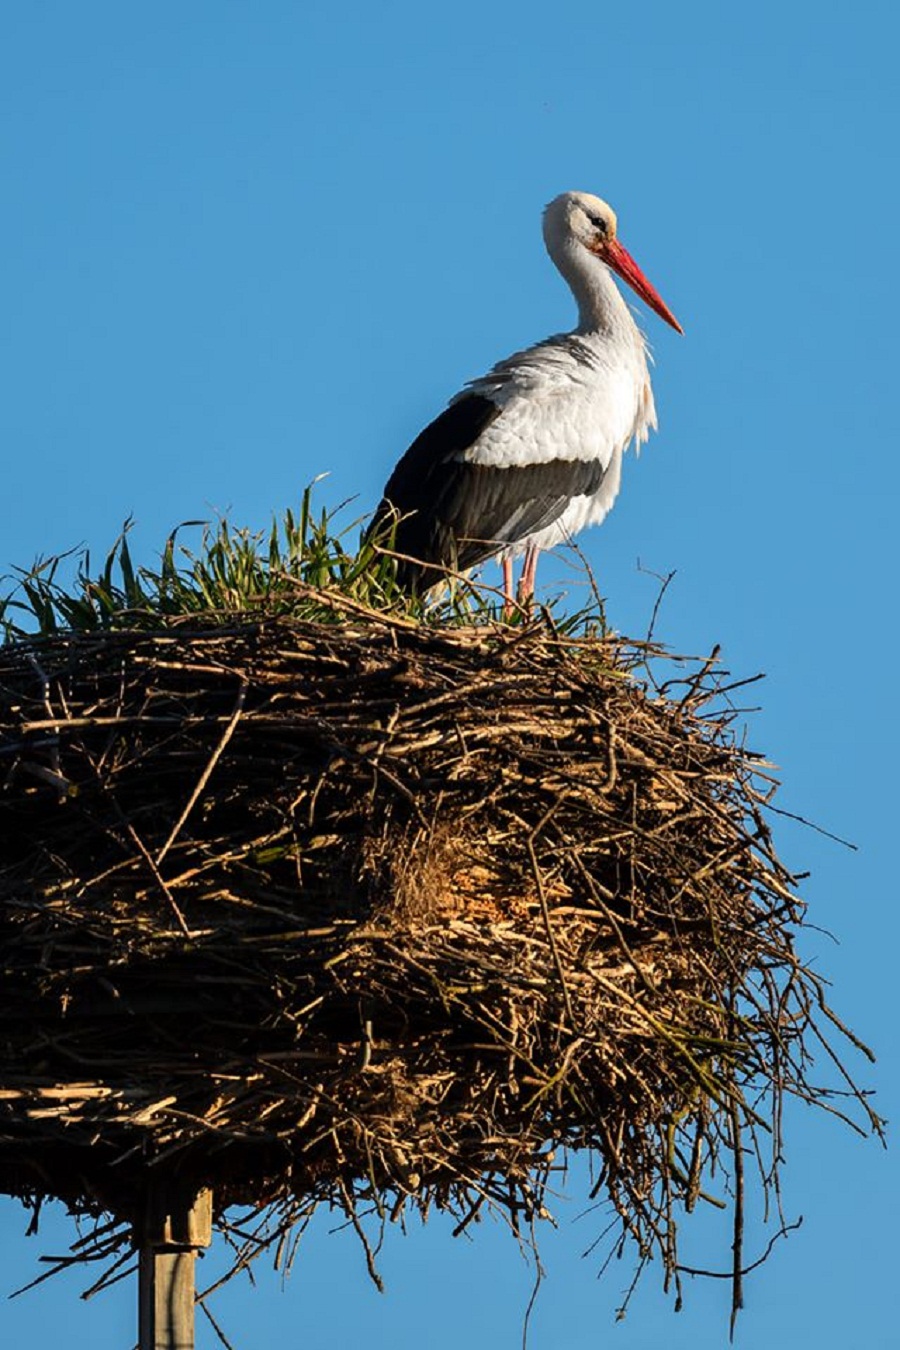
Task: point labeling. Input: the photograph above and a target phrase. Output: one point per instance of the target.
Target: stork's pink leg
(529, 570)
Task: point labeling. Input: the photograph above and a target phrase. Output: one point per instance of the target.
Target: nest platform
(377, 915)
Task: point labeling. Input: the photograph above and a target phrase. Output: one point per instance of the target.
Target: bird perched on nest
(529, 454)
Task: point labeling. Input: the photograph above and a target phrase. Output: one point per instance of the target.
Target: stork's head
(580, 220)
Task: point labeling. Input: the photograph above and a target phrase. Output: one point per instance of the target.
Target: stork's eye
(599, 223)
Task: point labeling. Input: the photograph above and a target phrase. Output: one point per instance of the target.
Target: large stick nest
(370, 913)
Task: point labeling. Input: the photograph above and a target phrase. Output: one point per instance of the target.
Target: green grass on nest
(307, 566)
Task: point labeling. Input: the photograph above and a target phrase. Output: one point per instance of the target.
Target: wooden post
(174, 1226)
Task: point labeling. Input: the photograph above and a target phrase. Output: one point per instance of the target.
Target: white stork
(531, 453)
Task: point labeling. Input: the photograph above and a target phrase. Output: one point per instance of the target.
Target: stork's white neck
(601, 307)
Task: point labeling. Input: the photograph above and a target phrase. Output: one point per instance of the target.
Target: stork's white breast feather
(573, 397)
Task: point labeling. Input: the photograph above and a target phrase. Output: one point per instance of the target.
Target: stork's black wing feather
(452, 513)
(415, 493)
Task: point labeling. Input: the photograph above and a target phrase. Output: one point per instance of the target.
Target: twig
(545, 909)
(205, 775)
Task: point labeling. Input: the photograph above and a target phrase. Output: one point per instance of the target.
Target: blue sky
(243, 245)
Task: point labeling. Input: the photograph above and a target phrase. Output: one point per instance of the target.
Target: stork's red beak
(621, 261)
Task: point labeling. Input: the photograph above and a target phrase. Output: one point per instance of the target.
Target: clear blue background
(243, 245)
